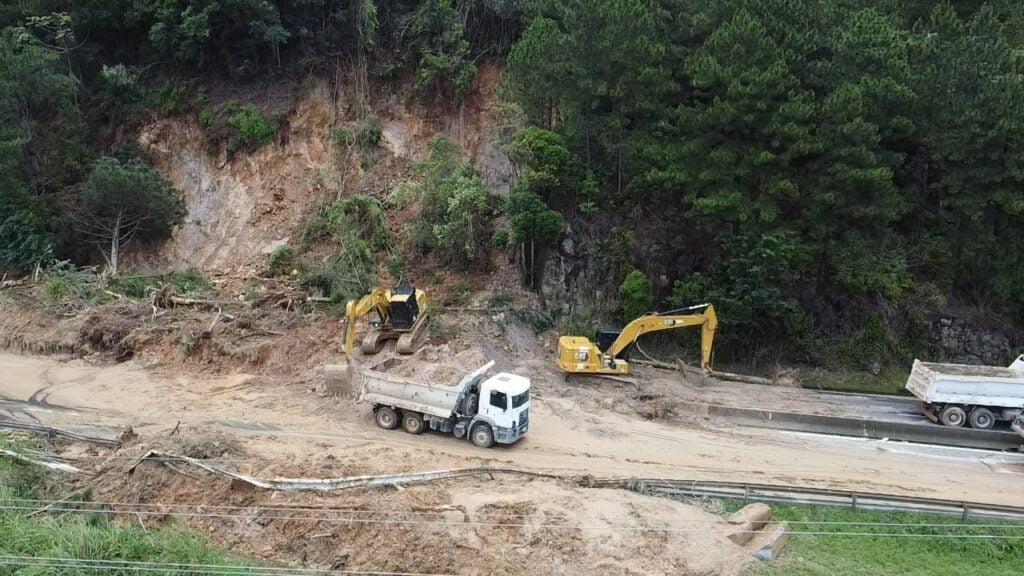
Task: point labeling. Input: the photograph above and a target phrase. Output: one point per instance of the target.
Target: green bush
(237, 127)
(360, 214)
(64, 280)
(282, 260)
(452, 223)
(368, 133)
(635, 291)
(349, 273)
(500, 239)
(253, 130)
(396, 267)
(463, 290)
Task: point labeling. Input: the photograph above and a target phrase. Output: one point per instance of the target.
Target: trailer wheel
(982, 418)
(953, 416)
(386, 418)
(482, 436)
(412, 422)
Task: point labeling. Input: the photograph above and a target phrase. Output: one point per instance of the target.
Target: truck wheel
(953, 416)
(386, 418)
(482, 436)
(412, 422)
(472, 405)
(982, 418)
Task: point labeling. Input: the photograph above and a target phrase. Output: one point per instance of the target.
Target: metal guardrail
(815, 496)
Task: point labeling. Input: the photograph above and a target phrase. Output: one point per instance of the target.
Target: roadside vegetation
(864, 546)
(66, 537)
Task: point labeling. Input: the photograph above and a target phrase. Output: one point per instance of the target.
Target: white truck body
(996, 389)
(502, 401)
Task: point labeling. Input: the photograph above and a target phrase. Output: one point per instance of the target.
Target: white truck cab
(505, 403)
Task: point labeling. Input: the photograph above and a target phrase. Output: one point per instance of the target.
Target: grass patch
(89, 536)
(905, 555)
(889, 381)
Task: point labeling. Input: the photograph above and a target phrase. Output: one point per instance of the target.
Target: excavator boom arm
(703, 316)
(356, 309)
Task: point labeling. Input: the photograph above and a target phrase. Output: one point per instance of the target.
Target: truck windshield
(520, 399)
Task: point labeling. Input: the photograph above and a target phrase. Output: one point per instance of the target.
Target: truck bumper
(510, 435)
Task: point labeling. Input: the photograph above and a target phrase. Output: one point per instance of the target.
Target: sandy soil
(466, 526)
(576, 428)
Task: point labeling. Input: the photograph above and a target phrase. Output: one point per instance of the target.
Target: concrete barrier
(749, 520)
(924, 433)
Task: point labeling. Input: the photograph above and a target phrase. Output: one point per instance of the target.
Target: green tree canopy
(118, 203)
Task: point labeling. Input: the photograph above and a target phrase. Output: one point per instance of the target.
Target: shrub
(368, 133)
(500, 239)
(452, 222)
(361, 214)
(348, 274)
(253, 130)
(635, 291)
(64, 280)
(236, 126)
(282, 260)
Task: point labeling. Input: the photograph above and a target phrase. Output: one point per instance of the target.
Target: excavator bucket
(338, 379)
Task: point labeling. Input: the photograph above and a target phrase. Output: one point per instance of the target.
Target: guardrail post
(853, 501)
(965, 510)
(746, 493)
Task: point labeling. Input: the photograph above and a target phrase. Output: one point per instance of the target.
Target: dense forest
(831, 174)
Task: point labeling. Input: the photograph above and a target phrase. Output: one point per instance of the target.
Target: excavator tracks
(408, 342)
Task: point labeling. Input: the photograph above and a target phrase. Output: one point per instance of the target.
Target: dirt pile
(502, 526)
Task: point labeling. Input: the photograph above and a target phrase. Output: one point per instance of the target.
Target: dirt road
(576, 428)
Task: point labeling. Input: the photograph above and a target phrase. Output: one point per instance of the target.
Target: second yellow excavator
(578, 355)
(399, 313)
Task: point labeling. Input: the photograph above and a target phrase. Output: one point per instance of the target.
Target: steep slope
(242, 207)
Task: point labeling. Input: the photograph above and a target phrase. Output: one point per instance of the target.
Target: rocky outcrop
(562, 266)
(964, 341)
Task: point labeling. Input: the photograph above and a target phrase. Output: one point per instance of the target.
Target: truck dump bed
(937, 383)
(415, 386)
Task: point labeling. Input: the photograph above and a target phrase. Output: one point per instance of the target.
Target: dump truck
(485, 411)
(959, 394)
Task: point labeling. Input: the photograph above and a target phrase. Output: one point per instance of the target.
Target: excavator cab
(604, 338)
(405, 309)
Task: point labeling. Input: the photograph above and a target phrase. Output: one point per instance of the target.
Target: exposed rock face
(562, 266)
(966, 342)
(240, 208)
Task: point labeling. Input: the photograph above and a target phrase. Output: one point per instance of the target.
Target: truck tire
(953, 416)
(482, 436)
(982, 418)
(472, 405)
(412, 422)
(386, 418)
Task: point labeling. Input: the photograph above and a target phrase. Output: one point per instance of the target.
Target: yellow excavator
(399, 313)
(578, 355)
